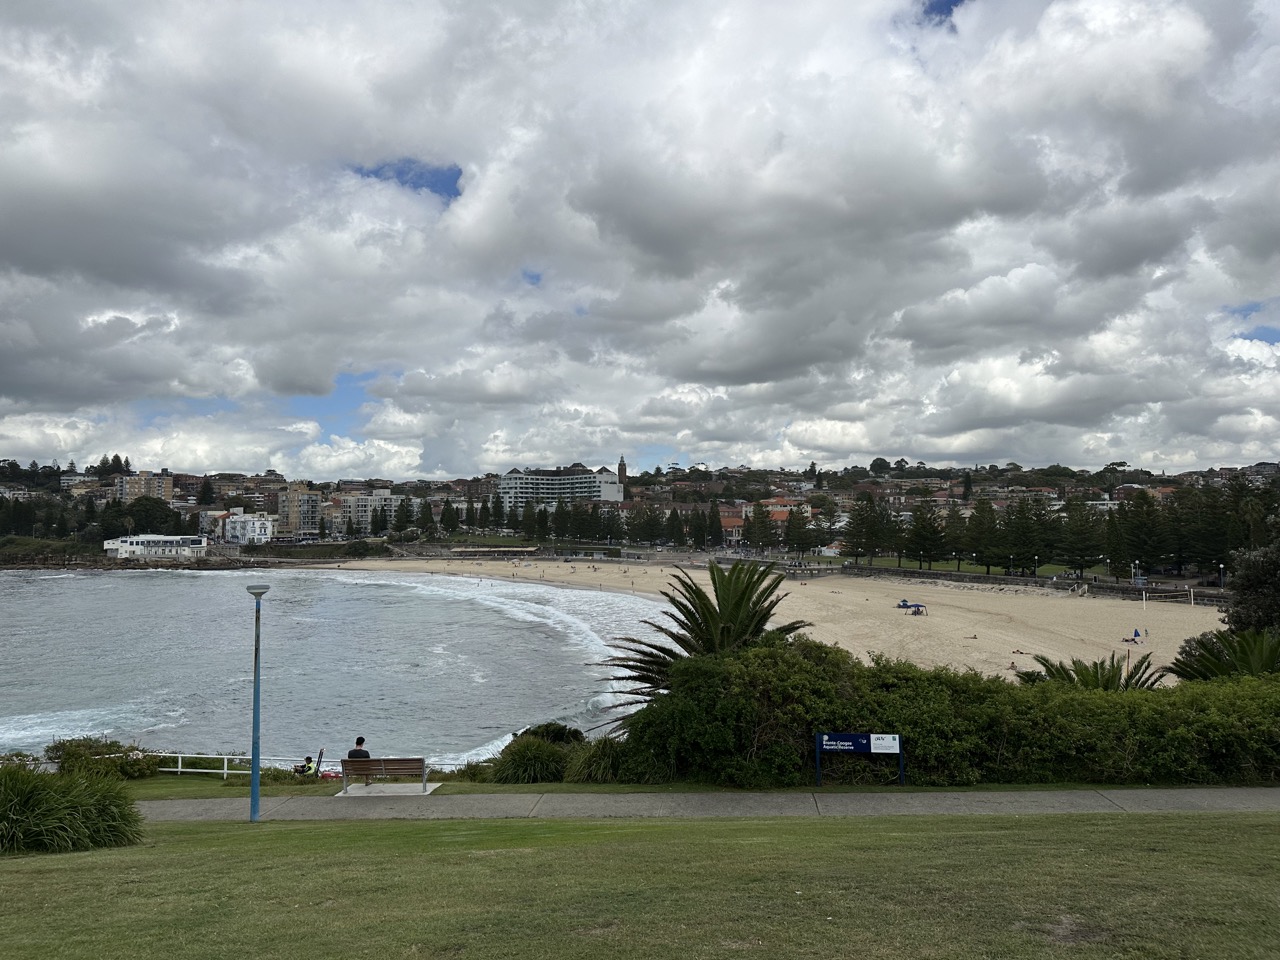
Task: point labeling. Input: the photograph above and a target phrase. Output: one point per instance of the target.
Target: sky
(437, 239)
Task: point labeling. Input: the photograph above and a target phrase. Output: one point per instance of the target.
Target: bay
(420, 665)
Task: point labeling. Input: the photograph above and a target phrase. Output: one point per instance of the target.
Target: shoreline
(990, 629)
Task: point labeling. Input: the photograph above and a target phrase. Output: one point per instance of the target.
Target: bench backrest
(385, 767)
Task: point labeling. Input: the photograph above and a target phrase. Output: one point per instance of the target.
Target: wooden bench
(385, 767)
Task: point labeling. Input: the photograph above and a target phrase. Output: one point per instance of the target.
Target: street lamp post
(1035, 567)
(255, 761)
(1222, 574)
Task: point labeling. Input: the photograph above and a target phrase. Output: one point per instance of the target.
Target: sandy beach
(983, 628)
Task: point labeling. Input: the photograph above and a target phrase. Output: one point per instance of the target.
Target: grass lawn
(1157, 886)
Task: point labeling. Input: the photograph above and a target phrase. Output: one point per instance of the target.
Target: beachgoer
(358, 752)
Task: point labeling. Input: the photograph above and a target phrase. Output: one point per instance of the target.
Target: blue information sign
(858, 743)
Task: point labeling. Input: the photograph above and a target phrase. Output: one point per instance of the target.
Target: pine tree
(470, 516)
(484, 518)
(403, 518)
(206, 496)
(529, 521)
(498, 512)
(715, 532)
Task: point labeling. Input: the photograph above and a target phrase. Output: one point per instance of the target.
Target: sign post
(859, 743)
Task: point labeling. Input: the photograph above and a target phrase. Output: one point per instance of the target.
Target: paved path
(388, 805)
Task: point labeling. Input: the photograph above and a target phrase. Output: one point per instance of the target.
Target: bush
(529, 759)
(62, 812)
(554, 732)
(595, 761)
(476, 771)
(97, 755)
(748, 719)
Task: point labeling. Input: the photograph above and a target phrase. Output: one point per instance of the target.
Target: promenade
(395, 802)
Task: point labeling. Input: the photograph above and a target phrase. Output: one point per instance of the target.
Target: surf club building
(575, 482)
(154, 546)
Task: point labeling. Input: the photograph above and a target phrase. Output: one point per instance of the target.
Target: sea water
(439, 666)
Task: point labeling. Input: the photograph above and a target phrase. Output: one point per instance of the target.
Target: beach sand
(979, 627)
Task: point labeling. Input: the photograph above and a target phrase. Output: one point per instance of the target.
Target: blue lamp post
(255, 761)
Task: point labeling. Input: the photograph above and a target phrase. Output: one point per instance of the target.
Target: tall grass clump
(595, 761)
(61, 812)
(528, 759)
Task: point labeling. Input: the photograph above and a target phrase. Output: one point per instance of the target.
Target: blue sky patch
(416, 175)
(1267, 334)
(1244, 309)
(532, 277)
(939, 11)
(338, 411)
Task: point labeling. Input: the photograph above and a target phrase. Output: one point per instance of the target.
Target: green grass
(960, 888)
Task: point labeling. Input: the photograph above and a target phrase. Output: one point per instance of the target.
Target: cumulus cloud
(730, 232)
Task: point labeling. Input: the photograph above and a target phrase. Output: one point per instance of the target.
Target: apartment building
(144, 483)
(574, 482)
(299, 512)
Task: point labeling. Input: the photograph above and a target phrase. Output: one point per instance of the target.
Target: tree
(116, 465)
(967, 492)
(879, 466)
(403, 518)
(498, 512)
(350, 531)
(715, 532)
(1223, 654)
(799, 533)
(483, 516)
(149, 515)
(675, 528)
(528, 521)
(542, 524)
(449, 522)
(426, 519)
(206, 496)
(321, 530)
(560, 520)
(926, 540)
(1255, 588)
(1112, 674)
(1082, 536)
(733, 615)
(469, 518)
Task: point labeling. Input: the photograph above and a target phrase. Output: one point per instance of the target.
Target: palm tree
(1223, 653)
(735, 614)
(1110, 674)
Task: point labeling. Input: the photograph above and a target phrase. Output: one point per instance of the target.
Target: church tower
(622, 472)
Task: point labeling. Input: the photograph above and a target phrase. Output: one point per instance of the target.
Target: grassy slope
(1159, 886)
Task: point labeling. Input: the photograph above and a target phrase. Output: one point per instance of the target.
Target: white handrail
(283, 763)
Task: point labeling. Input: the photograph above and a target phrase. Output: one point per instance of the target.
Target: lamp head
(257, 589)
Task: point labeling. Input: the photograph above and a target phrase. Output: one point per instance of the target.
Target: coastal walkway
(386, 802)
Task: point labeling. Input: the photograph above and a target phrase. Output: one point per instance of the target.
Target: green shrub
(476, 771)
(97, 755)
(748, 719)
(529, 759)
(554, 732)
(595, 761)
(62, 812)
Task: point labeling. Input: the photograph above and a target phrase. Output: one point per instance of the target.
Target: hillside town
(1009, 517)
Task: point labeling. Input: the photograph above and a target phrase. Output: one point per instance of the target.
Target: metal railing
(236, 764)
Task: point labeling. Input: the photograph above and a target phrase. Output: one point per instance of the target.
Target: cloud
(958, 232)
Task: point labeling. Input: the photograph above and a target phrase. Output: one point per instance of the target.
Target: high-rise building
(575, 482)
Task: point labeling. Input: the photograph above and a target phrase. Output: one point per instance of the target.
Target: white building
(156, 546)
(570, 483)
(239, 527)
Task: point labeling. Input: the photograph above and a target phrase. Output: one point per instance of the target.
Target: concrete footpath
(393, 802)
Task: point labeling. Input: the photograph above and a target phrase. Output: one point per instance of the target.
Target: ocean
(420, 665)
